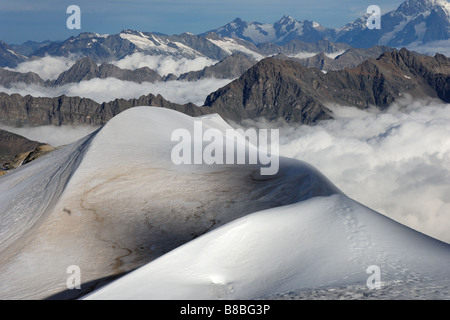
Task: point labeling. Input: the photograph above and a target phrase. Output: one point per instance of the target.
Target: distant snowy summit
(415, 24)
(413, 21)
(280, 32)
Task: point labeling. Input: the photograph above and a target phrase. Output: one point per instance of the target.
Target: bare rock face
(28, 156)
(9, 57)
(7, 78)
(97, 47)
(86, 69)
(270, 89)
(276, 88)
(229, 68)
(273, 88)
(351, 58)
(17, 111)
(11, 145)
(295, 46)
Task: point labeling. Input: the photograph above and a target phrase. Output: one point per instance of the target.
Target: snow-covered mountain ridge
(114, 201)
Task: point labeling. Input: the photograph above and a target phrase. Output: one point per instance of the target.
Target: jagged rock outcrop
(296, 46)
(11, 145)
(26, 157)
(9, 57)
(276, 88)
(86, 69)
(349, 59)
(414, 21)
(272, 88)
(8, 78)
(28, 47)
(229, 68)
(17, 111)
(98, 47)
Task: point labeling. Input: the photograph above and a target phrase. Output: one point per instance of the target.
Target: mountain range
(231, 67)
(273, 88)
(276, 88)
(86, 69)
(114, 203)
(414, 22)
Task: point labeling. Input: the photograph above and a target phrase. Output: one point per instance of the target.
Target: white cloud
(48, 67)
(396, 162)
(431, 48)
(305, 55)
(52, 135)
(163, 64)
(104, 90)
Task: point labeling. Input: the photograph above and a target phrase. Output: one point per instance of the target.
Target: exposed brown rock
(276, 88)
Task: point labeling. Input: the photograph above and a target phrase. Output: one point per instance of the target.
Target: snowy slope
(324, 242)
(114, 202)
(413, 22)
(45, 182)
(126, 203)
(155, 45)
(280, 32)
(230, 46)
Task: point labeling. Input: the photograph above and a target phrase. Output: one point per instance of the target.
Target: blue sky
(39, 20)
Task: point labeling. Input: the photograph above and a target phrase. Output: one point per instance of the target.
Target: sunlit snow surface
(323, 242)
(126, 203)
(113, 202)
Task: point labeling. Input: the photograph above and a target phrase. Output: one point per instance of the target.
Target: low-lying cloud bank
(50, 67)
(396, 162)
(52, 135)
(431, 48)
(163, 65)
(105, 90)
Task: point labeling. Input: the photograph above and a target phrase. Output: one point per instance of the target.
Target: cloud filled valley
(272, 161)
(50, 67)
(396, 162)
(104, 90)
(163, 65)
(55, 136)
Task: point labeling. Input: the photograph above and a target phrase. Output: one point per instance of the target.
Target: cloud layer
(396, 162)
(104, 90)
(431, 48)
(48, 68)
(52, 135)
(164, 65)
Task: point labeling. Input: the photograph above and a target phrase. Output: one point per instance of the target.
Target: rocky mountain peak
(276, 88)
(83, 69)
(416, 7)
(286, 19)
